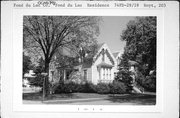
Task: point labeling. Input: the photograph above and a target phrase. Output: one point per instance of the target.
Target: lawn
(64, 98)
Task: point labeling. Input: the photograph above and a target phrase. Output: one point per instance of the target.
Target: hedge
(118, 87)
(101, 88)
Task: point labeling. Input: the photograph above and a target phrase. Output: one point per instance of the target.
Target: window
(109, 73)
(103, 73)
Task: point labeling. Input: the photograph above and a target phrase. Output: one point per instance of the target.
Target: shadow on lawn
(138, 99)
(38, 96)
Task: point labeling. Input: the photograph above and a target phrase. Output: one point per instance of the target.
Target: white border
(168, 18)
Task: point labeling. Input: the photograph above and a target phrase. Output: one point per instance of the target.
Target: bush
(89, 88)
(77, 87)
(102, 88)
(117, 87)
(149, 83)
(66, 87)
(70, 87)
(59, 88)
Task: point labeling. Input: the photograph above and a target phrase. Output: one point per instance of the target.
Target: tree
(140, 37)
(123, 74)
(40, 67)
(38, 79)
(27, 65)
(49, 33)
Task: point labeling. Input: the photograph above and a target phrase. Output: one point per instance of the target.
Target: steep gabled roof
(100, 45)
(107, 51)
(91, 58)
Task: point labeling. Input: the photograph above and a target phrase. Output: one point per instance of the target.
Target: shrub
(64, 87)
(69, 87)
(102, 88)
(117, 87)
(149, 83)
(59, 88)
(89, 88)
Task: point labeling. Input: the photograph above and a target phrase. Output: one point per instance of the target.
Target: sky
(110, 31)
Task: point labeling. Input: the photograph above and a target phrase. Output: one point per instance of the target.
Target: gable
(104, 55)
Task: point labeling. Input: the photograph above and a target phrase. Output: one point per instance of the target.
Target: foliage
(48, 34)
(38, 80)
(148, 82)
(63, 61)
(40, 68)
(117, 87)
(27, 64)
(89, 88)
(140, 37)
(87, 53)
(69, 87)
(124, 75)
(103, 88)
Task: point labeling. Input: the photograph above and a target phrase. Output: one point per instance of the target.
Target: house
(27, 76)
(100, 67)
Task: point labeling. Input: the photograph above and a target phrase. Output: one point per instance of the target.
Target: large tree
(49, 33)
(140, 37)
(123, 74)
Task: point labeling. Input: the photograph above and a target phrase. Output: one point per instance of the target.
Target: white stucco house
(27, 76)
(102, 68)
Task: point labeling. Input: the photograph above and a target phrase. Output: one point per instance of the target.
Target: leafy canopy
(140, 37)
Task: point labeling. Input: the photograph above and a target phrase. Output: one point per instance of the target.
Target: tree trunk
(46, 79)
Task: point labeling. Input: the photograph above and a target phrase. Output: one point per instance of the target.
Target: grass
(137, 99)
(63, 96)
